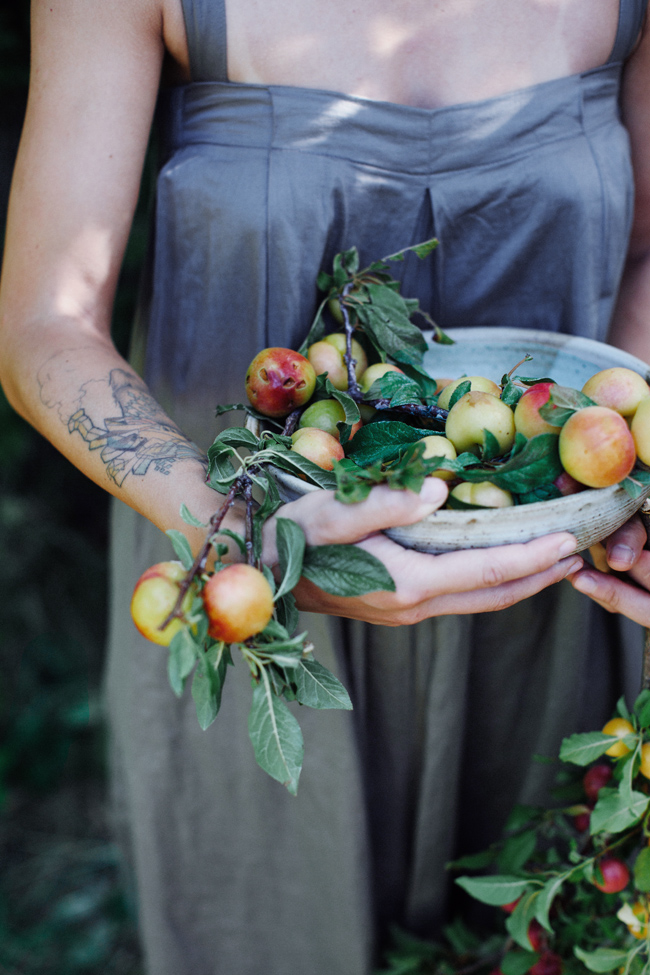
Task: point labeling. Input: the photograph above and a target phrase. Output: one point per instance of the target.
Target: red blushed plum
(279, 380)
(567, 484)
(527, 418)
(319, 447)
(325, 414)
(596, 447)
(618, 388)
(154, 597)
(615, 875)
(238, 603)
(595, 778)
(549, 963)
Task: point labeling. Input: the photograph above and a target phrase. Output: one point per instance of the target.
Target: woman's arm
(623, 551)
(95, 71)
(94, 81)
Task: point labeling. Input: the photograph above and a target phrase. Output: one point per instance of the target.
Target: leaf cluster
(548, 866)
(280, 661)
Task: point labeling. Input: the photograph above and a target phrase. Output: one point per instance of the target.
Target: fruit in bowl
(575, 501)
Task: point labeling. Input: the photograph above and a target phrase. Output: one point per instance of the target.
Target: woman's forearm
(72, 385)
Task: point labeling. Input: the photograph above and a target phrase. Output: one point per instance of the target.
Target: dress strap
(630, 22)
(205, 25)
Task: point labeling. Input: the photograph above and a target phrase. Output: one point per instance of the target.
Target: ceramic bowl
(590, 515)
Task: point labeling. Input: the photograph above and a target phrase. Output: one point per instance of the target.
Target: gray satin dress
(531, 196)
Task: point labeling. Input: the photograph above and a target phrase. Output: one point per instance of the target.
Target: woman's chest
(426, 53)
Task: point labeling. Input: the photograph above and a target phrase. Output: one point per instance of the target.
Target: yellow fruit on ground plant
(619, 728)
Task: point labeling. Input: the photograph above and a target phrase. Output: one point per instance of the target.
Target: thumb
(327, 521)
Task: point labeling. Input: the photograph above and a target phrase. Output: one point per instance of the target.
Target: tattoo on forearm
(138, 437)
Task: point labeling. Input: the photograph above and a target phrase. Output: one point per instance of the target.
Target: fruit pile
(588, 438)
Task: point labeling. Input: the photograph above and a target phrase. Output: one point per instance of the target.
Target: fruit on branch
(582, 820)
(640, 428)
(279, 380)
(375, 372)
(549, 963)
(527, 418)
(475, 412)
(619, 728)
(614, 875)
(595, 778)
(480, 383)
(596, 447)
(325, 414)
(482, 493)
(536, 935)
(439, 447)
(154, 597)
(644, 768)
(618, 388)
(328, 356)
(318, 446)
(637, 920)
(238, 602)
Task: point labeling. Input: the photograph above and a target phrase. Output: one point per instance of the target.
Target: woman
(288, 133)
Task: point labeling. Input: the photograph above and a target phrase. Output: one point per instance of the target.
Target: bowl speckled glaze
(591, 515)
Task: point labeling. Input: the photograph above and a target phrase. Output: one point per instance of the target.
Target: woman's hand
(622, 552)
(481, 580)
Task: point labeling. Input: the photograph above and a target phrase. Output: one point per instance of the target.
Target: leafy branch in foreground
(205, 613)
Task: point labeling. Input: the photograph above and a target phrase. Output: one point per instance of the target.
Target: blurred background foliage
(62, 909)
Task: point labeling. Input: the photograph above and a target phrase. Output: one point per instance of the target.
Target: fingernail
(432, 491)
(584, 583)
(573, 565)
(622, 553)
(567, 548)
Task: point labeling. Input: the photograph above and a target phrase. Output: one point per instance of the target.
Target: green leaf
(294, 463)
(547, 896)
(516, 851)
(519, 921)
(584, 748)
(268, 507)
(642, 870)
(473, 861)
(642, 709)
(345, 570)
(275, 735)
(191, 519)
(290, 541)
(181, 548)
(377, 443)
(511, 393)
(287, 612)
(563, 403)
(494, 890)
(317, 687)
(237, 437)
(517, 962)
(538, 462)
(239, 540)
(459, 392)
(615, 812)
(207, 684)
(183, 654)
(636, 483)
(602, 959)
